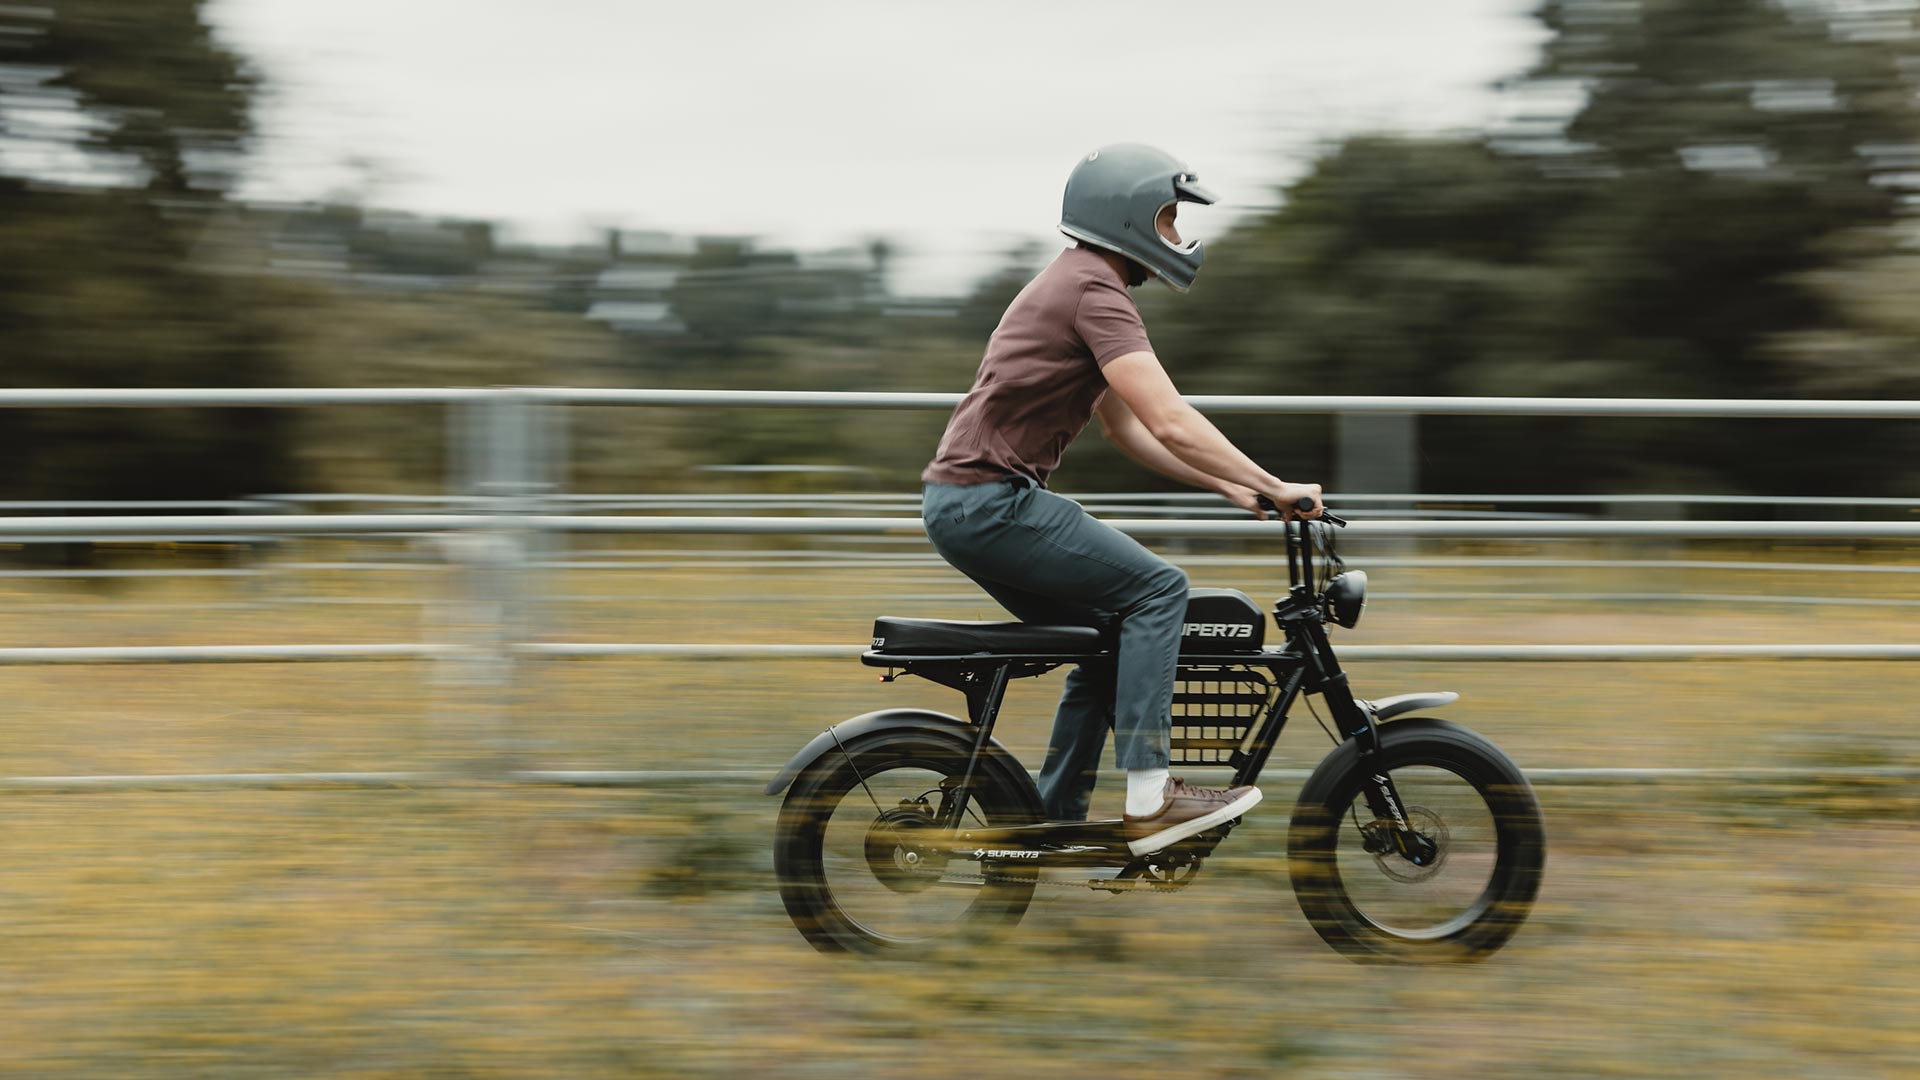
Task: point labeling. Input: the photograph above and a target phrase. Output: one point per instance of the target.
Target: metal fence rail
(1502, 654)
(1750, 408)
(657, 558)
(315, 654)
(645, 778)
(1165, 502)
(225, 654)
(243, 397)
(377, 524)
(1753, 408)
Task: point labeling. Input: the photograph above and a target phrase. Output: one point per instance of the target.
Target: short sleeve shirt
(1041, 377)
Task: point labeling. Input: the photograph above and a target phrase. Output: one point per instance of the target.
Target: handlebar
(1305, 505)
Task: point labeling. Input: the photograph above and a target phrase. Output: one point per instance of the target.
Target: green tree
(1726, 139)
(157, 100)
(1397, 266)
(122, 124)
(1738, 155)
(1674, 234)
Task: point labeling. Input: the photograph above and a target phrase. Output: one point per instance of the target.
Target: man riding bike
(1071, 335)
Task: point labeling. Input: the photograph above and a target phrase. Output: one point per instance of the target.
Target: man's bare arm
(1125, 431)
(1139, 381)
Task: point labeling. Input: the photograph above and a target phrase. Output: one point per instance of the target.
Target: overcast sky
(948, 126)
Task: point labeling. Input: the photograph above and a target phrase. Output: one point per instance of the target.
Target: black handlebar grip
(1304, 504)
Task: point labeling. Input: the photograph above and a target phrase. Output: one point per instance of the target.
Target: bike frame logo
(1217, 629)
(1386, 792)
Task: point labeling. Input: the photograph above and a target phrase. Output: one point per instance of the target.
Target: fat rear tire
(838, 783)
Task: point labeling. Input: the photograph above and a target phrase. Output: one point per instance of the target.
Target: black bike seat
(938, 637)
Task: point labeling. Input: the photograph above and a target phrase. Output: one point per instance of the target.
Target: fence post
(499, 458)
(1377, 452)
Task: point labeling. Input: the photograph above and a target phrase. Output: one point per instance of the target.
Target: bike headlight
(1345, 598)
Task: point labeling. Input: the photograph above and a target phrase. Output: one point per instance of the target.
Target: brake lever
(1306, 504)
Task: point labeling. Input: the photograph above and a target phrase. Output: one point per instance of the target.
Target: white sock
(1146, 791)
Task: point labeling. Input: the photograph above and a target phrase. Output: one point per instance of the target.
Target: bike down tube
(1270, 728)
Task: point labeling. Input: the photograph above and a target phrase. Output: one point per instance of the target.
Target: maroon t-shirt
(1041, 378)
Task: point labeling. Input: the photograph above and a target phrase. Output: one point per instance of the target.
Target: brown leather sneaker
(1186, 811)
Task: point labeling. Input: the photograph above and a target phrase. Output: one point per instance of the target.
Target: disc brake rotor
(1393, 864)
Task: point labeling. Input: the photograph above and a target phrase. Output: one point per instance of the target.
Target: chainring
(1166, 871)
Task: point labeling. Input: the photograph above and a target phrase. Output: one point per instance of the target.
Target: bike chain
(1107, 885)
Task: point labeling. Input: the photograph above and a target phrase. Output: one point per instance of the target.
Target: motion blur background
(1606, 198)
(1667, 198)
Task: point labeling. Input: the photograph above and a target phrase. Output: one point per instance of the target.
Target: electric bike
(1416, 839)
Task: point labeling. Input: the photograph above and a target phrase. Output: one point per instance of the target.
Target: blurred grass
(480, 931)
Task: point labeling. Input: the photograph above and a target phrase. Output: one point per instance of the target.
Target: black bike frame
(1304, 664)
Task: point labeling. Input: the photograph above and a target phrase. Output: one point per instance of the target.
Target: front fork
(1390, 831)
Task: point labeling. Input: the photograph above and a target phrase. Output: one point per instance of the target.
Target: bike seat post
(983, 708)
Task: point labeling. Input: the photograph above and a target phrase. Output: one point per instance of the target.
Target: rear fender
(847, 732)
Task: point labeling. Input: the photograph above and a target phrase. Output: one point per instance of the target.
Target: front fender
(847, 731)
(1389, 707)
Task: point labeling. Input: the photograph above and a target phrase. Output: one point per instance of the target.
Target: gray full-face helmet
(1113, 197)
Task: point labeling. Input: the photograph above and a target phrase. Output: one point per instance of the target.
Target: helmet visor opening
(1180, 232)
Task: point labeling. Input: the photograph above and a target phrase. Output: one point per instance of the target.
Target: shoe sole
(1173, 834)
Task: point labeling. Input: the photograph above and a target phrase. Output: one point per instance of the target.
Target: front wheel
(1463, 883)
(859, 853)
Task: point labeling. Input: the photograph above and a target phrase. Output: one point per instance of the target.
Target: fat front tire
(1479, 866)
(854, 847)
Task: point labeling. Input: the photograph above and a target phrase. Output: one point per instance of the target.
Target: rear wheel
(1458, 888)
(858, 852)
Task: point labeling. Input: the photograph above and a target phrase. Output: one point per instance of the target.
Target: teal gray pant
(1046, 561)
